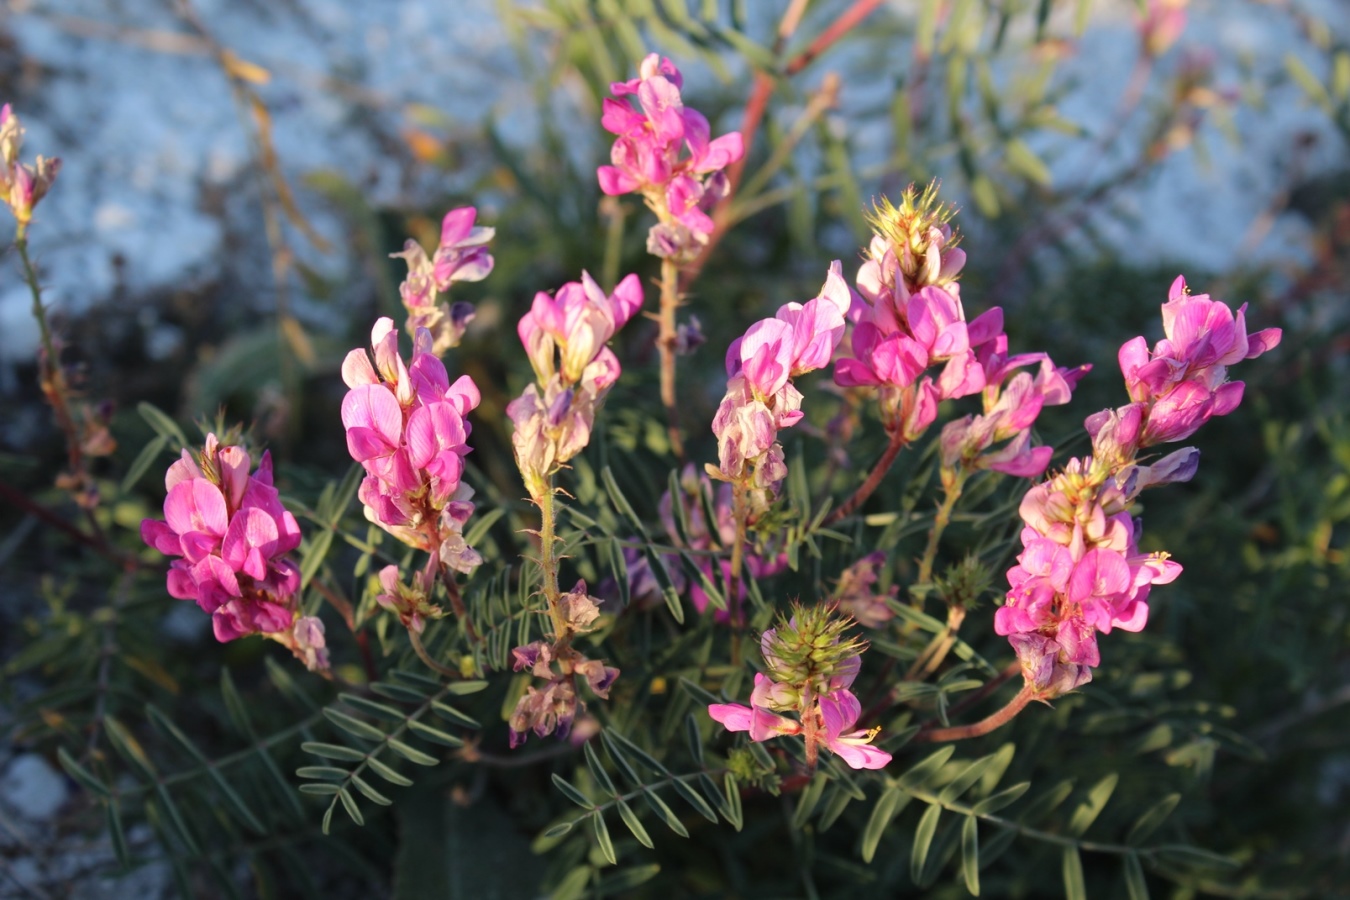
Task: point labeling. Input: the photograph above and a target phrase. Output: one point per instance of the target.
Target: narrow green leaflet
(1074, 889)
(889, 804)
(1091, 807)
(353, 725)
(1135, 882)
(333, 751)
(571, 792)
(602, 838)
(970, 854)
(667, 814)
(923, 841)
(630, 819)
(597, 770)
(1148, 823)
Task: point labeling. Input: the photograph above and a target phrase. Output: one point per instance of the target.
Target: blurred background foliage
(1235, 698)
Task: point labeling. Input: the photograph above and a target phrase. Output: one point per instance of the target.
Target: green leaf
(1184, 855)
(162, 423)
(970, 854)
(694, 737)
(923, 841)
(1047, 802)
(597, 770)
(81, 774)
(1074, 889)
(333, 751)
(129, 748)
(176, 817)
(968, 777)
(353, 725)
(450, 714)
(921, 773)
(241, 808)
(732, 809)
(806, 803)
(572, 792)
(349, 804)
(412, 754)
(372, 795)
(891, 801)
(141, 464)
(463, 688)
(602, 838)
(1091, 807)
(634, 825)
(667, 814)
(325, 773)
(1314, 88)
(621, 503)
(312, 556)
(695, 799)
(620, 761)
(1135, 882)
(558, 830)
(399, 692)
(427, 733)
(234, 704)
(388, 773)
(113, 820)
(620, 883)
(322, 788)
(985, 195)
(994, 802)
(380, 710)
(1148, 823)
(573, 886)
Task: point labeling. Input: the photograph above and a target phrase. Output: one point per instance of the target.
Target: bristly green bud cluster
(962, 584)
(810, 646)
(749, 769)
(909, 225)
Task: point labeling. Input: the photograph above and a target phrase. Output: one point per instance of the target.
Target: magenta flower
(460, 256)
(1081, 571)
(21, 186)
(565, 337)
(761, 399)
(233, 538)
(647, 157)
(406, 425)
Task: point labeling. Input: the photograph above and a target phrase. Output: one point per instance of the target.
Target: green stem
(665, 343)
(953, 486)
(738, 515)
(548, 561)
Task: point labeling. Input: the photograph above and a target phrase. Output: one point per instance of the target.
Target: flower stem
(868, 487)
(738, 515)
(416, 640)
(810, 727)
(548, 562)
(52, 381)
(982, 727)
(953, 486)
(665, 343)
(932, 656)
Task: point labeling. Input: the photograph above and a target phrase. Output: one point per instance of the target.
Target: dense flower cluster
(21, 185)
(565, 336)
(233, 540)
(913, 319)
(553, 707)
(1081, 570)
(460, 256)
(811, 667)
(647, 157)
(1011, 404)
(761, 398)
(406, 426)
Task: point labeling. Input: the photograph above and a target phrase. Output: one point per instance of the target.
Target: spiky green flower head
(963, 583)
(919, 235)
(811, 646)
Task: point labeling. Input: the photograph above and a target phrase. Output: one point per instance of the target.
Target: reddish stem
(868, 487)
(982, 727)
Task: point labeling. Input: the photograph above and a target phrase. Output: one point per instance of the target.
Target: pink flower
(406, 426)
(646, 157)
(21, 186)
(460, 256)
(233, 539)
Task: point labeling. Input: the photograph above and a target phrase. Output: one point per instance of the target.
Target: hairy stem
(52, 380)
(932, 656)
(953, 485)
(548, 562)
(868, 487)
(665, 343)
(738, 514)
(982, 727)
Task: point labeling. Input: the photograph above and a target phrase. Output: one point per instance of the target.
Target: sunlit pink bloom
(839, 711)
